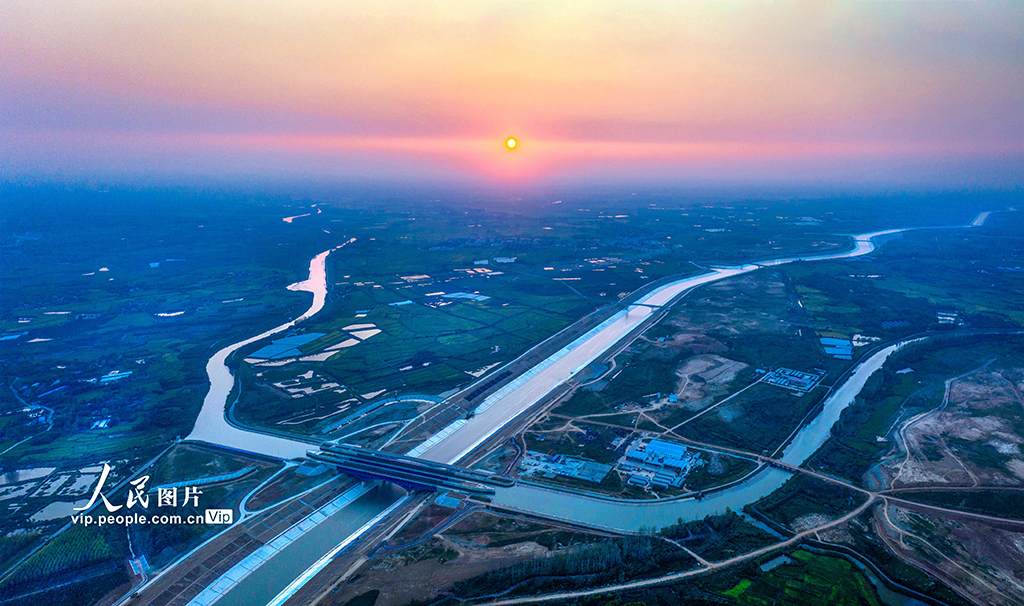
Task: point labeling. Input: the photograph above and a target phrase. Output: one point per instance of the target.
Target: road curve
(458, 439)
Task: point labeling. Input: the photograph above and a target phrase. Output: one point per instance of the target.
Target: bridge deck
(408, 472)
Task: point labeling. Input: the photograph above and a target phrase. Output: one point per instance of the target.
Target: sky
(895, 93)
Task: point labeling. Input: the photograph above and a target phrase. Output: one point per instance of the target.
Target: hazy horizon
(884, 95)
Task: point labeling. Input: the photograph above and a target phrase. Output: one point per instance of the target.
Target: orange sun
(510, 143)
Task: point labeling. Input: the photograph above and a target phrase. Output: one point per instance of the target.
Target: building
(549, 466)
(658, 463)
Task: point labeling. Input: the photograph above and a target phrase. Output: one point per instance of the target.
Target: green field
(803, 497)
(810, 579)
(155, 281)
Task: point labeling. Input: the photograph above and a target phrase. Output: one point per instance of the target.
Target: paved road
(460, 438)
(707, 567)
(704, 569)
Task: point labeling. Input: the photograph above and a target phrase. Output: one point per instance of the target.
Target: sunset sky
(895, 93)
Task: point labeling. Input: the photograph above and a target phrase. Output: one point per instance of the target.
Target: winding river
(453, 442)
(212, 425)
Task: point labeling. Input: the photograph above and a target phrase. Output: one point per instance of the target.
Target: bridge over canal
(407, 472)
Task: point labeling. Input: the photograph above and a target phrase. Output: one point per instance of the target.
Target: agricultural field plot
(186, 462)
(827, 564)
(803, 577)
(789, 578)
(418, 350)
(79, 554)
(774, 327)
(445, 308)
(804, 502)
(120, 299)
(426, 349)
(720, 537)
(440, 320)
(926, 280)
(759, 302)
(574, 560)
(115, 312)
(759, 419)
(91, 560)
(944, 420)
(105, 341)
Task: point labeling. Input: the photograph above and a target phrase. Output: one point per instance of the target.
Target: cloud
(87, 80)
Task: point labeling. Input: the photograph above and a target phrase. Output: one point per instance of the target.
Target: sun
(510, 143)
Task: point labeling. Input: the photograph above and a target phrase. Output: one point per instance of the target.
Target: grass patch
(802, 495)
(811, 579)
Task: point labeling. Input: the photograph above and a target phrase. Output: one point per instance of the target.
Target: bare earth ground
(978, 560)
(943, 445)
(401, 577)
(972, 440)
(703, 378)
(476, 544)
(742, 304)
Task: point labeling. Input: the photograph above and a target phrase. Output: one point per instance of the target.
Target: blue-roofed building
(637, 480)
(832, 342)
(660, 463)
(549, 466)
(666, 449)
(446, 501)
(841, 349)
